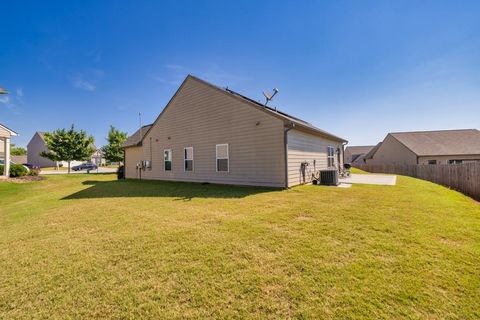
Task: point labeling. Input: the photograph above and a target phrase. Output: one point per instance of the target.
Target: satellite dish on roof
(268, 96)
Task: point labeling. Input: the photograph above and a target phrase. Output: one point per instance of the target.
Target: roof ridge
(271, 111)
(426, 131)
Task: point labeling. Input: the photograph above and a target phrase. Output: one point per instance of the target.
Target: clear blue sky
(356, 68)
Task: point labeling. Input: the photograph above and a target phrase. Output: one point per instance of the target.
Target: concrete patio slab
(378, 179)
(344, 185)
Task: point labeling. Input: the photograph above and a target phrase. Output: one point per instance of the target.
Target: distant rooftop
(274, 111)
(136, 138)
(441, 142)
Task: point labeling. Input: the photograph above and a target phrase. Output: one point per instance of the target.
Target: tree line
(70, 144)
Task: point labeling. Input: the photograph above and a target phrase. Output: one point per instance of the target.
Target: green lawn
(357, 171)
(87, 246)
(55, 169)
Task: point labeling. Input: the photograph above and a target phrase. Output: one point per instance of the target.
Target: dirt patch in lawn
(24, 179)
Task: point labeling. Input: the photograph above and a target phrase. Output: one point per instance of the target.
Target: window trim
(171, 160)
(455, 161)
(185, 159)
(330, 156)
(227, 158)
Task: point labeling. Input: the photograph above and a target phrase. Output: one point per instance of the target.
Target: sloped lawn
(87, 246)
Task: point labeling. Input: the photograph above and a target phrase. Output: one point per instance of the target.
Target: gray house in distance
(215, 135)
(427, 147)
(37, 145)
(356, 154)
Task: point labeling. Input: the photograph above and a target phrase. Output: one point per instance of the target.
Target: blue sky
(359, 69)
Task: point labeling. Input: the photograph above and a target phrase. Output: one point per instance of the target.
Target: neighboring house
(5, 135)
(356, 154)
(19, 159)
(370, 153)
(98, 158)
(36, 146)
(427, 147)
(215, 135)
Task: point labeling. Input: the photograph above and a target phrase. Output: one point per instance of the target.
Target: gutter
(343, 151)
(285, 150)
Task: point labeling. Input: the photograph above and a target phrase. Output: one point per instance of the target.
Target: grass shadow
(150, 188)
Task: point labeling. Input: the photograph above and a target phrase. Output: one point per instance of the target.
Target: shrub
(34, 172)
(18, 170)
(121, 172)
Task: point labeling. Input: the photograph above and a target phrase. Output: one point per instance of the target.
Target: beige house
(5, 135)
(215, 135)
(37, 145)
(427, 147)
(356, 154)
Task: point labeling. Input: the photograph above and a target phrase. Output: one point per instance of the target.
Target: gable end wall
(200, 116)
(392, 151)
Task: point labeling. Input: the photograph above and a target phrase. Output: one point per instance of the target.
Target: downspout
(124, 165)
(343, 151)
(285, 144)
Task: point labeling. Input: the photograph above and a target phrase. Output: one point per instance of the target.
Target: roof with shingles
(275, 112)
(136, 138)
(272, 111)
(441, 142)
(370, 154)
(359, 149)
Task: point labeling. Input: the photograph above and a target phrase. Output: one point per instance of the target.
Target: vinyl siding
(444, 159)
(34, 148)
(201, 117)
(392, 151)
(4, 133)
(305, 147)
(133, 155)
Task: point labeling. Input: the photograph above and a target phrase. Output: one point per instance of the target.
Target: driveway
(100, 170)
(380, 179)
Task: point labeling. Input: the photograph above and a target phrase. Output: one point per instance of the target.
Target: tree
(68, 145)
(113, 150)
(17, 151)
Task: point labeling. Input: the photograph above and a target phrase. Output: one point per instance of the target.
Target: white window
(330, 156)
(188, 159)
(455, 161)
(167, 159)
(222, 158)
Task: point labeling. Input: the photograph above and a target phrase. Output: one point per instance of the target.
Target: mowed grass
(88, 246)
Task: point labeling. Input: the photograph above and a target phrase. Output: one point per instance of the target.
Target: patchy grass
(87, 246)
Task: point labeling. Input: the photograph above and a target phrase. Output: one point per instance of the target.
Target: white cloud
(7, 102)
(80, 83)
